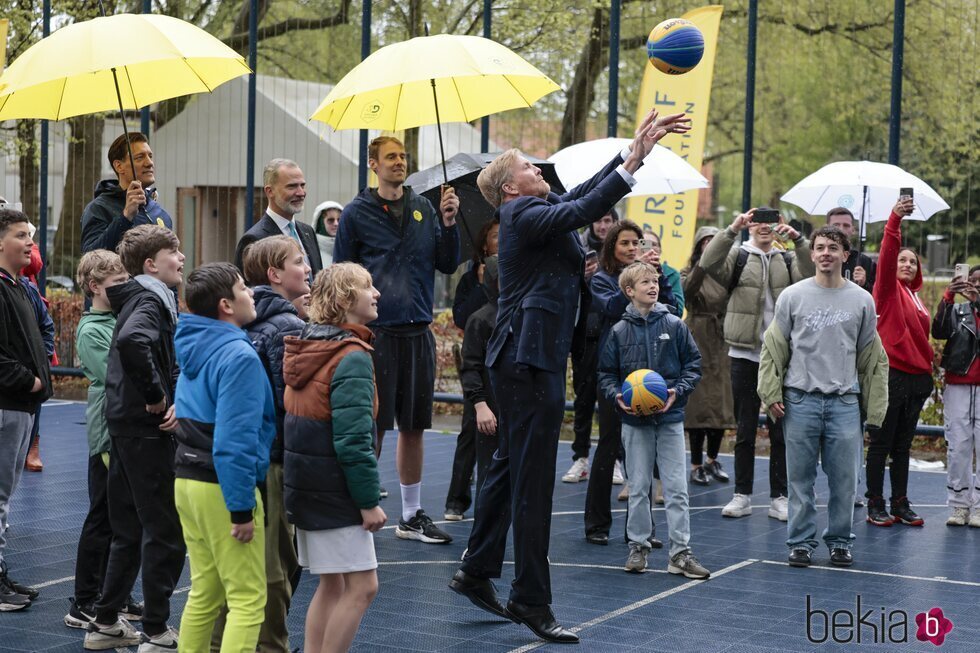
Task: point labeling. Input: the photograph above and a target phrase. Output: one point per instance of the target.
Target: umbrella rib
(398, 102)
(507, 78)
(61, 99)
(200, 79)
(132, 91)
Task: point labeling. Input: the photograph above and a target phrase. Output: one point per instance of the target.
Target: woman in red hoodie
(903, 324)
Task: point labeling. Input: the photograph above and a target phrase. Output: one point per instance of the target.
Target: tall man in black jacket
(543, 294)
(140, 380)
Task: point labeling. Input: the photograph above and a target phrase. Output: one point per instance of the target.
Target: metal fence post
(613, 116)
(898, 56)
(362, 155)
(43, 185)
(253, 34)
(749, 107)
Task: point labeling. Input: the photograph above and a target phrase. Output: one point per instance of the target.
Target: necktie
(295, 235)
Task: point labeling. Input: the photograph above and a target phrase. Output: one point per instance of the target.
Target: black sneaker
(11, 600)
(714, 470)
(29, 592)
(131, 610)
(876, 512)
(698, 476)
(903, 513)
(453, 514)
(841, 557)
(800, 557)
(80, 615)
(421, 528)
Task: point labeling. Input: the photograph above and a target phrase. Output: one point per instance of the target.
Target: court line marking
(577, 565)
(639, 604)
(933, 579)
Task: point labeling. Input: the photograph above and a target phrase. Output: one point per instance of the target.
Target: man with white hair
(543, 294)
(285, 189)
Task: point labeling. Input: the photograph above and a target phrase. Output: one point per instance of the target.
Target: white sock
(411, 500)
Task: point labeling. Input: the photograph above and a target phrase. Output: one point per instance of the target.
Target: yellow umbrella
(393, 88)
(124, 61)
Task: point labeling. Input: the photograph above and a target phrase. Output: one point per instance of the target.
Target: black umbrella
(461, 172)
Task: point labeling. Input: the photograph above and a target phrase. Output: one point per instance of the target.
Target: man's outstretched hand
(651, 130)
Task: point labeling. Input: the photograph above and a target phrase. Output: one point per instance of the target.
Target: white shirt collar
(281, 222)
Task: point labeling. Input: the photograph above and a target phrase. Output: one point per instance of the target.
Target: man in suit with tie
(285, 188)
(543, 300)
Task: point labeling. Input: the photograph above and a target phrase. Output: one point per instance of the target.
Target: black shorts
(405, 371)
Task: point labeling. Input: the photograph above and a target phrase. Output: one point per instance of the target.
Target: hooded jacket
(103, 222)
(330, 472)
(275, 318)
(659, 341)
(223, 433)
(93, 338)
(401, 257)
(142, 365)
(22, 350)
(903, 320)
(745, 317)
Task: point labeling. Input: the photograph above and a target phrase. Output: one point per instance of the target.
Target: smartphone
(646, 244)
(766, 216)
(591, 254)
(962, 271)
(906, 192)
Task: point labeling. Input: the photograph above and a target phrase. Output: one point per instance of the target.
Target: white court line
(578, 565)
(638, 604)
(49, 583)
(933, 579)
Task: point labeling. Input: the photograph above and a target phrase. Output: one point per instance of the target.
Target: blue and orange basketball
(645, 392)
(675, 46)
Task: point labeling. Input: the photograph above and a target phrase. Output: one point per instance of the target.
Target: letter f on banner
(690, 92)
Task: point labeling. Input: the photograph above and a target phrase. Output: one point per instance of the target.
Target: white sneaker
(618, 477)
(579, 471)
(779, 508)
(104, 638)
(975, 518)
(958, 517)
(739, 506)
(165, 642)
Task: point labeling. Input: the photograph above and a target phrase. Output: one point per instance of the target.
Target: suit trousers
(598, 512)
(521, 480)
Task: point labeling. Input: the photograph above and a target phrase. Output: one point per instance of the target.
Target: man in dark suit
(285, 188)
(543, 294)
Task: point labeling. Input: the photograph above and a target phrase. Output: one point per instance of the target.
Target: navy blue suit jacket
(267, 227)
(541, 269)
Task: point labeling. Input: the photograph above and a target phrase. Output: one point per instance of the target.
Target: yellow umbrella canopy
(392, 88)
(69, 73)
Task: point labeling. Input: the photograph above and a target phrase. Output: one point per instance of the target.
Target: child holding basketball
(649, 336)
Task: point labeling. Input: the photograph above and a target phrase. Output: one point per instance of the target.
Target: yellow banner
(673, 217)
(4, 23)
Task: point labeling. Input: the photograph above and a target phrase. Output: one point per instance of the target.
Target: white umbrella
(868, 189)
(662, 172)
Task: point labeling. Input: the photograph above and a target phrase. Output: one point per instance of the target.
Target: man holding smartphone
(755, 273)
(859, 267)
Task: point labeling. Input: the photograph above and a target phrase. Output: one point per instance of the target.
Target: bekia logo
(933, 626)
(873, 625)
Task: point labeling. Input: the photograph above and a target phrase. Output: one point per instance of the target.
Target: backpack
(743, 258)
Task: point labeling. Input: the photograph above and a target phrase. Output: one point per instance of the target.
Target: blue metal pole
(898, 56)
(43, 185)
(253, 34)
(362, 153)
(485, 121)
(613, 68)
(749, 107)
(145, 111)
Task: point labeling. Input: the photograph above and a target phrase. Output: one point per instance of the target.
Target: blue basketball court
(753, 603)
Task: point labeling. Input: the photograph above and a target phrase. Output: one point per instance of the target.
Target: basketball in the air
(675, 46)
(645, 392)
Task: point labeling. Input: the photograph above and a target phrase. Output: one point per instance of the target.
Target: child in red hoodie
(903, 324)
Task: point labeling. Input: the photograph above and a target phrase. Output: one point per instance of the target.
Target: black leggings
(698, 436)
(906, 395)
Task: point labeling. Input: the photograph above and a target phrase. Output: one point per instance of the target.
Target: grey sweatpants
(15, 438)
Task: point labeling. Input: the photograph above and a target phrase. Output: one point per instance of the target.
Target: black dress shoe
(602, 539)
(799, 557)
(479, 591)
(655, 543)
(541, 621)
(841, 557)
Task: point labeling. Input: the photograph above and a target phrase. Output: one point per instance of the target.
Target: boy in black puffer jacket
(278, 274)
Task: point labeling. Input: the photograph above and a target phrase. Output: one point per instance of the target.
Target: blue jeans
(828, 426)
(661, 444)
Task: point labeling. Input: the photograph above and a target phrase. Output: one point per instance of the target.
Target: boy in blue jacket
(650, 337)
(224, 435)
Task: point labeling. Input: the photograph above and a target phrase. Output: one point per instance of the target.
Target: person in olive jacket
(331, 471)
